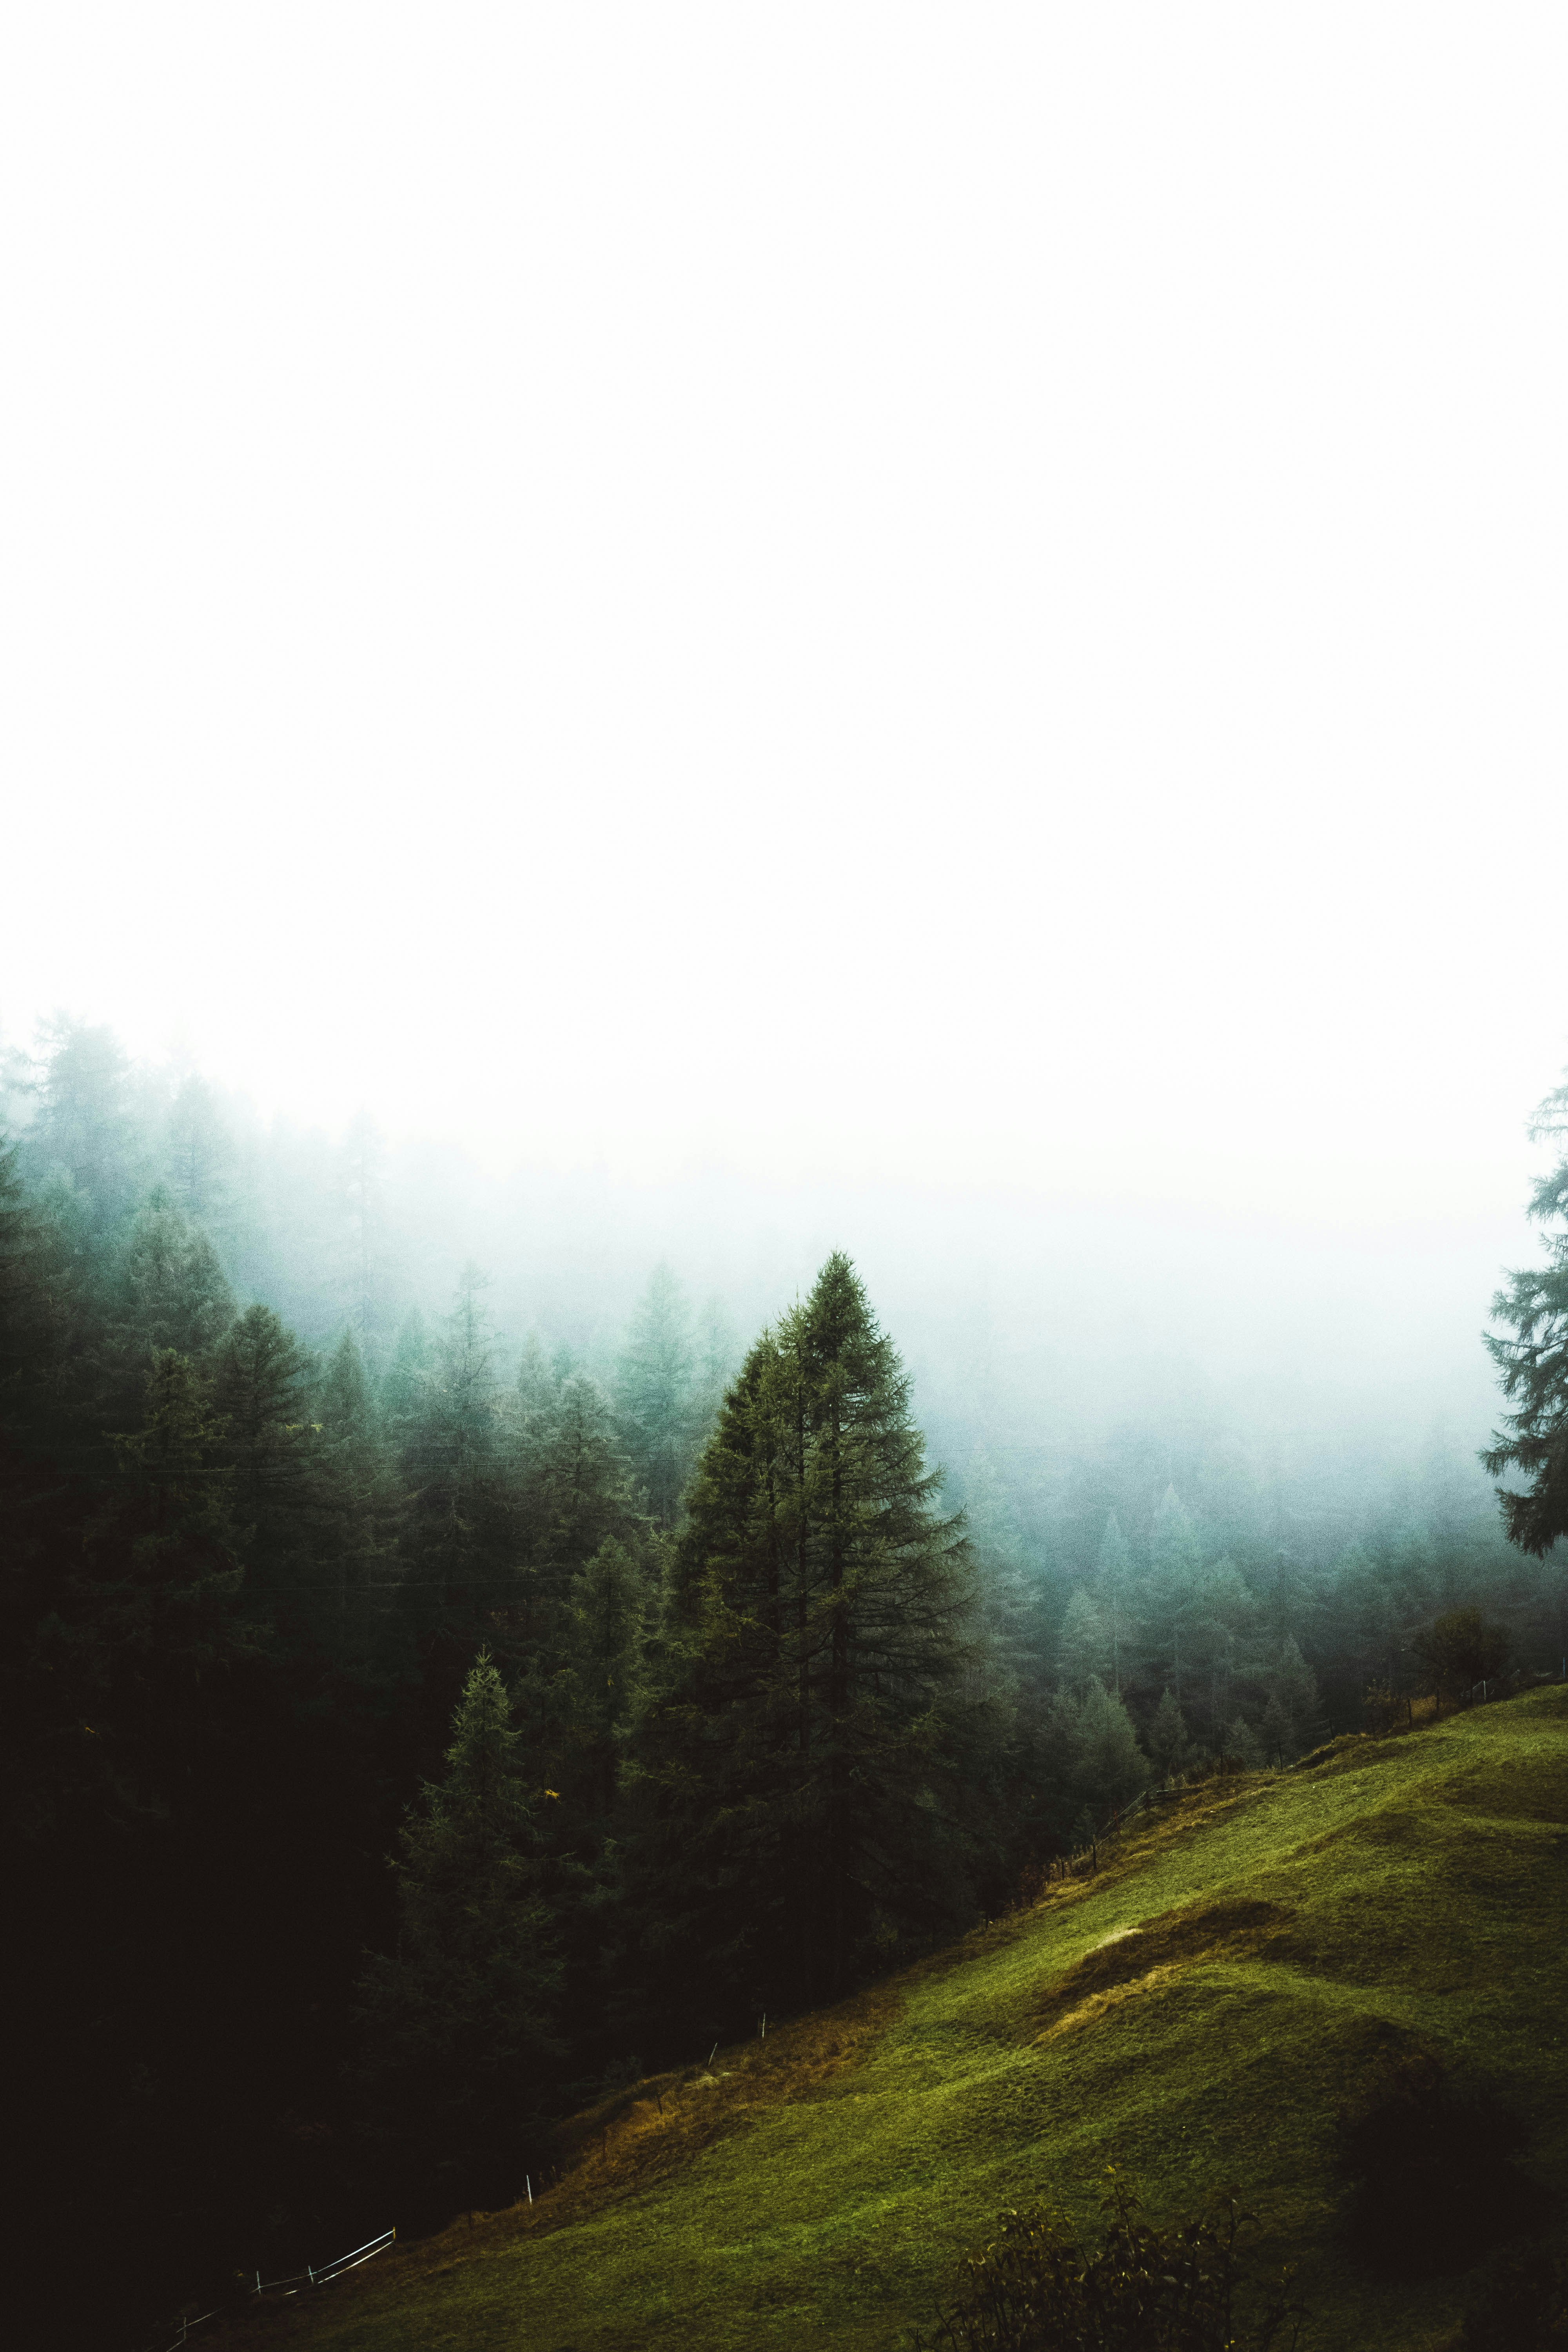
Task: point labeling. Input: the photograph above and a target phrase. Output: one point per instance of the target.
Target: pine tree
(152, 1607)
(462, 1530)
(610, 1605)
(261, 1391)
(459, 2040)
(1219, 1638)
(356, 1516)
(84, 1131)
(173, 1292)
(199, 1156)
(1083, 1652)
(34, 1316)
(537, 1386)
(1533, 1365)
(577, 1488)
(1242, 1745)
(1015, 1641)
(1370, 1611)
(717, 1354)
(1114, 1574)
(807, 1750)
(579, 1543)
(1168, 1742)
(362, 1161)
(408, 1376)
(656, 1393)
(1294, 1685)
(1175, 1571)
(1276, 1732)
(1110, 1767)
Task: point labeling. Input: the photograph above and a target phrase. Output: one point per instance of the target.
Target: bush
(1380, 1709)
(1522, 2304)
(1433, 2180)
(1039, 2285)
(1459, 1650)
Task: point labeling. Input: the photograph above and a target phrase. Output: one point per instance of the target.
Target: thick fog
(928, 631)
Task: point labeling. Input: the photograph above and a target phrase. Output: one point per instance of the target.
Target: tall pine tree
(1533, 1364)
(656, 1396)
(809, 1752)
(460, 2041)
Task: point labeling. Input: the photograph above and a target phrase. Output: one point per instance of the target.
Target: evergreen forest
(420, 1724)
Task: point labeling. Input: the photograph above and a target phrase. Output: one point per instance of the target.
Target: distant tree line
(671, 1686)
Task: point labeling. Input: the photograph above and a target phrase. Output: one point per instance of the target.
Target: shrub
(1040, 2285)
(1380, 1709)
(1521, 2306)
(1458, 1650)
(1433, 2180)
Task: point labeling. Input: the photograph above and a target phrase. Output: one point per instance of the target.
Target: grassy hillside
(1194, 2013)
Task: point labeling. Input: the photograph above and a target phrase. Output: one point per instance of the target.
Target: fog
(644, 649)
(934, 631)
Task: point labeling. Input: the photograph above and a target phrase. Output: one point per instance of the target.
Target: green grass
(1289, 1929)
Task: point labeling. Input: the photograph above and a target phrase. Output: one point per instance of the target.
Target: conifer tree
(537, 1386)
(1083, 1652)
(173, 1292)
(611, 1602)
(656, 1393)
(1219, 1638)
(718, 1352)
(356, 1530)
(1175, 1569)
(413, 1359)
(1114, 1572)
(460, 2040)
(84, 1131)
(1276, 1732)
(150, 1609)
(360, 1164)
(1242, 1745)
(461, 1536)
(1111, 1769)
(1014, 1644)
(1533, 1364)
(199, 1155)
(577, 1483)
(807, 1749)
(260, 1392)
(574, 1505)
(1294, 1685)
(34, 1285)
(1370, 1614)
(1168, 1742)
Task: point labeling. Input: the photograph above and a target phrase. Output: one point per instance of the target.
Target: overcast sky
(966, 594)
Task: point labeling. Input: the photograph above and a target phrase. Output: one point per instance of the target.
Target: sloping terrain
(1193, 2012)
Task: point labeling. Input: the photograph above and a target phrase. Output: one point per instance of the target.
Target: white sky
(967, 595)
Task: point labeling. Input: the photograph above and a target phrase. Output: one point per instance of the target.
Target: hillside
(1194, 2012)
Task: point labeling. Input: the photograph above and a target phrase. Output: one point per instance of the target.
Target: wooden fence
(307, 2278)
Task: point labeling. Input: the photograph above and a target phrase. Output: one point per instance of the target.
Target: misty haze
(784, 1178)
